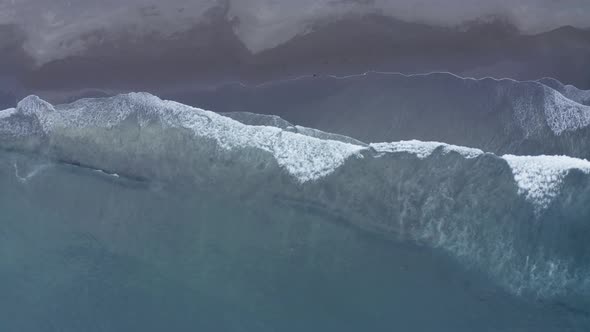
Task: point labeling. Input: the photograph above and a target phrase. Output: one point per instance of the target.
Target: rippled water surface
(84, 251)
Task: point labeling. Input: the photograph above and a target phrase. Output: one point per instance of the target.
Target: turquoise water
(85, 251)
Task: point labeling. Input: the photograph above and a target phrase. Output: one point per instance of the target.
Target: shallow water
(85, 251)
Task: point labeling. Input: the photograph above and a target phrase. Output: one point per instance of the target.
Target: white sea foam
(575, 94)
(7, 113)
(539, 178)
(306, 158)
(569, 91)
(24, 178)
(537, 106)
(563, 114)
(425, 149)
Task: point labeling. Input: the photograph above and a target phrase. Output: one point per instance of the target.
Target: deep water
(81, 250)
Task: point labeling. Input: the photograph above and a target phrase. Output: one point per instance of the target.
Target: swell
(523, 221)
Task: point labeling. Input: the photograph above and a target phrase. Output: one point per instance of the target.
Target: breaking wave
(521, 219)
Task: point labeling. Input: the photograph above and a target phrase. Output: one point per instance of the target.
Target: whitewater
(520, 221)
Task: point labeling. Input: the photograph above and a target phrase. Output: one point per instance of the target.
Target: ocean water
(133, 213)
(81, 250)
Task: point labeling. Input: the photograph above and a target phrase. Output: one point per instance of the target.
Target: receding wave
(501, 116)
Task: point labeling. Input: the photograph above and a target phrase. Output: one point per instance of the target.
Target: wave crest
(519, 218)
